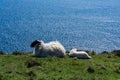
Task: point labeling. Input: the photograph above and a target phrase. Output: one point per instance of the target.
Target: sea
(83, 24)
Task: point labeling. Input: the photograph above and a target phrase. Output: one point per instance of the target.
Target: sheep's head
(34, 43)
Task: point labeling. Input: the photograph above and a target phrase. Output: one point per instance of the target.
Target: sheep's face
(34, 43)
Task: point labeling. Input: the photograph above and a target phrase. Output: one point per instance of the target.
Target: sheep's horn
(34, 43)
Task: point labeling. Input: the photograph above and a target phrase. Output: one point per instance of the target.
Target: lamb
(79, 54)
(53, 48)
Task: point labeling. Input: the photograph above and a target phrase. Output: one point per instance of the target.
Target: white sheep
(53, 48)
(79, 54)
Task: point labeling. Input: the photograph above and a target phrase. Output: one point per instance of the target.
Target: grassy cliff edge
(24, 66)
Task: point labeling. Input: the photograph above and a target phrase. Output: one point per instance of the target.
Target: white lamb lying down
(53, 48)
(79, 54)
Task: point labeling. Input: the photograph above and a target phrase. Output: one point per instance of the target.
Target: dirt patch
(31, 63)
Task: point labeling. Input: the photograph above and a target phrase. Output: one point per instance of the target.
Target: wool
(79, 54)
(53, 48)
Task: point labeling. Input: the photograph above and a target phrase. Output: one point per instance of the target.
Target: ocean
(82, 24)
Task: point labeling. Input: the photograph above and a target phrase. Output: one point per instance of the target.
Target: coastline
(24, 66)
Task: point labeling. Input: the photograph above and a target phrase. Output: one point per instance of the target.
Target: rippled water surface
(84, 24)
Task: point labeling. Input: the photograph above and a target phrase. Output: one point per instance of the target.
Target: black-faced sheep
(79, 54)
(53, 48)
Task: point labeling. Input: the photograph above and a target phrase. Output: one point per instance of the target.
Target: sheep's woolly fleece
(53, 48)
(79, 54)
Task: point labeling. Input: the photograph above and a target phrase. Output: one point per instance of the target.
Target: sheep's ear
(34, 43)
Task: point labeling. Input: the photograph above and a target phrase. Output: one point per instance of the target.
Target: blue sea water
(83, 24)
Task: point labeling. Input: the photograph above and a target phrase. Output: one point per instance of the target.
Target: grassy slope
(100, 67)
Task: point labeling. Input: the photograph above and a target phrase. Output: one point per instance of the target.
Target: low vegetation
(24, 66)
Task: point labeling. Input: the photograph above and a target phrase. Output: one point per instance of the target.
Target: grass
(104, 66)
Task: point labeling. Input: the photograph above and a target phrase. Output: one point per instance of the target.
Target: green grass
(27, 67)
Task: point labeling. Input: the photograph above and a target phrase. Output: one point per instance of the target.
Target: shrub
(109, 56)
(17, 53)
(116, 52)
(93, 53)
(1, 76)
(104, 52)
(118, 70)
(20, 53)
(31, 63)
(2, 53)
(31, 73)
(90, 69)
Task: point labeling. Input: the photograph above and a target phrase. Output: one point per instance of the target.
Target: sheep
(53, 48)
(79, 54)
